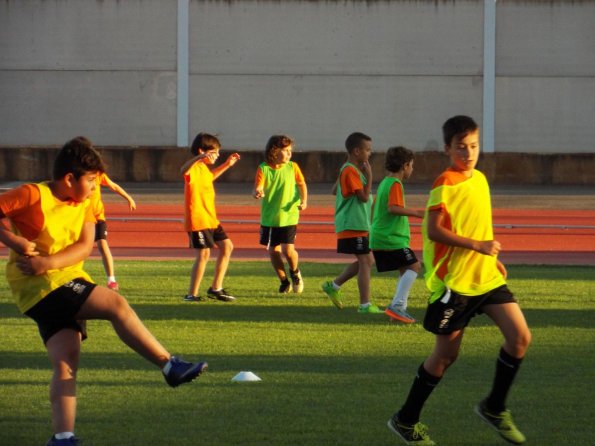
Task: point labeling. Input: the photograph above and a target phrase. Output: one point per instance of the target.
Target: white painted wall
(315, 70)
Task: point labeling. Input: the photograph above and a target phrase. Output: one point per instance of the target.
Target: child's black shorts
(393, 260)
(453, 312)
(100, 230)
(58, 309)
(353, 245)
(271, 236)
(206, 238)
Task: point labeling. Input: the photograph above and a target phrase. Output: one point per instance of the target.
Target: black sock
(506, 369)
(294, 273)
(422, 387)
(284, 281)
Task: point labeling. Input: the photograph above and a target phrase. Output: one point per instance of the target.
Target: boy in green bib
(281, 187)
(353, 206)
(390, 234)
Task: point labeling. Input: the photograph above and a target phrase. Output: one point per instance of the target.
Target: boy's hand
(233, 158)
(32, 266)
(488, 247)
(258, 193)
(367, 170)
(131, 204)
(502, 268)
(303, 205)
(25, 247)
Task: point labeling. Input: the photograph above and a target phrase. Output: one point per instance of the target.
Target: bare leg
(291, 255)
(446, 350)
(363, 277)
(225, 250)
(349, 272)
(277, 262)
(64, 352)
(198, 270)
(510, 320)
(106, 257)
(106, 304)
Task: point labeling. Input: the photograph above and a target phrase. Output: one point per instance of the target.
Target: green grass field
(329, 377)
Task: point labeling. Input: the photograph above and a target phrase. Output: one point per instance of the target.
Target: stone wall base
(162, 164)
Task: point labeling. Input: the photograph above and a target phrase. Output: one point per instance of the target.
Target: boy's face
(282, 156)
(82, 188)
(363, 152)
(407, 169)
(211, 155)
(464, 152)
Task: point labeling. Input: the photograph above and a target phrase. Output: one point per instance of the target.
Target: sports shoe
(370, 309)
(297, 282)
(191, 298)
(285, 286)
(333, 294)
(180, 372)
(112, 285)
(72, 441)
(502, 423)
(399, 314)
(412, 434)
(220, 295)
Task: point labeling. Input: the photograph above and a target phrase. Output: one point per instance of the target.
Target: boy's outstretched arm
(440, 234)
(120, 191)
(191, 161)
(72, 254)
(230, 161)
(407, 212)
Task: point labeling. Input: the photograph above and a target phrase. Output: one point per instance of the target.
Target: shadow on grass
(220, 312)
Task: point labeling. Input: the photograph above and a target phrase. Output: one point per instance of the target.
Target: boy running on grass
(390, 234)
(353, 203)
(53, 230)
(282, 188)
(465, 278)
(200, 217)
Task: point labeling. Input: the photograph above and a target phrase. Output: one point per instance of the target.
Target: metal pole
(489, 75)
(183, 73)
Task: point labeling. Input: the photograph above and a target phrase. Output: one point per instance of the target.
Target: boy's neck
(277, 165)
(398, 175)
(353, 160)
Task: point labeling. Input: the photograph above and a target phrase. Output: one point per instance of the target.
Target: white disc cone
(245, 376)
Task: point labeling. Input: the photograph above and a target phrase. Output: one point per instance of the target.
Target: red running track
(156, 231)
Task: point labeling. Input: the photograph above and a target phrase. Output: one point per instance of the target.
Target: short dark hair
(274, 144)
(397, 157)
(204, 142)
(458, 125)
(77, 156)
(355, 140)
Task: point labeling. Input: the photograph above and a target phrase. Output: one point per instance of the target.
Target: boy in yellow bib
(465, 278)
(53, 229)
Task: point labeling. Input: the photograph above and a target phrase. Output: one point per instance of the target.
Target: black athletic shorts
(100, 230)
(453, 312)
(58, 309)
(206, 238)
(353, 245)
(393, 260)
(271, 236)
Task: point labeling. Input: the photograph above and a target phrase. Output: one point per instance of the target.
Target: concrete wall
(316, 70)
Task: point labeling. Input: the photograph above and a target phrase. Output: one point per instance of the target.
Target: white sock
(64, 435)
(335, 286)
(366, 305)
(403, 287)
(111, 279)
